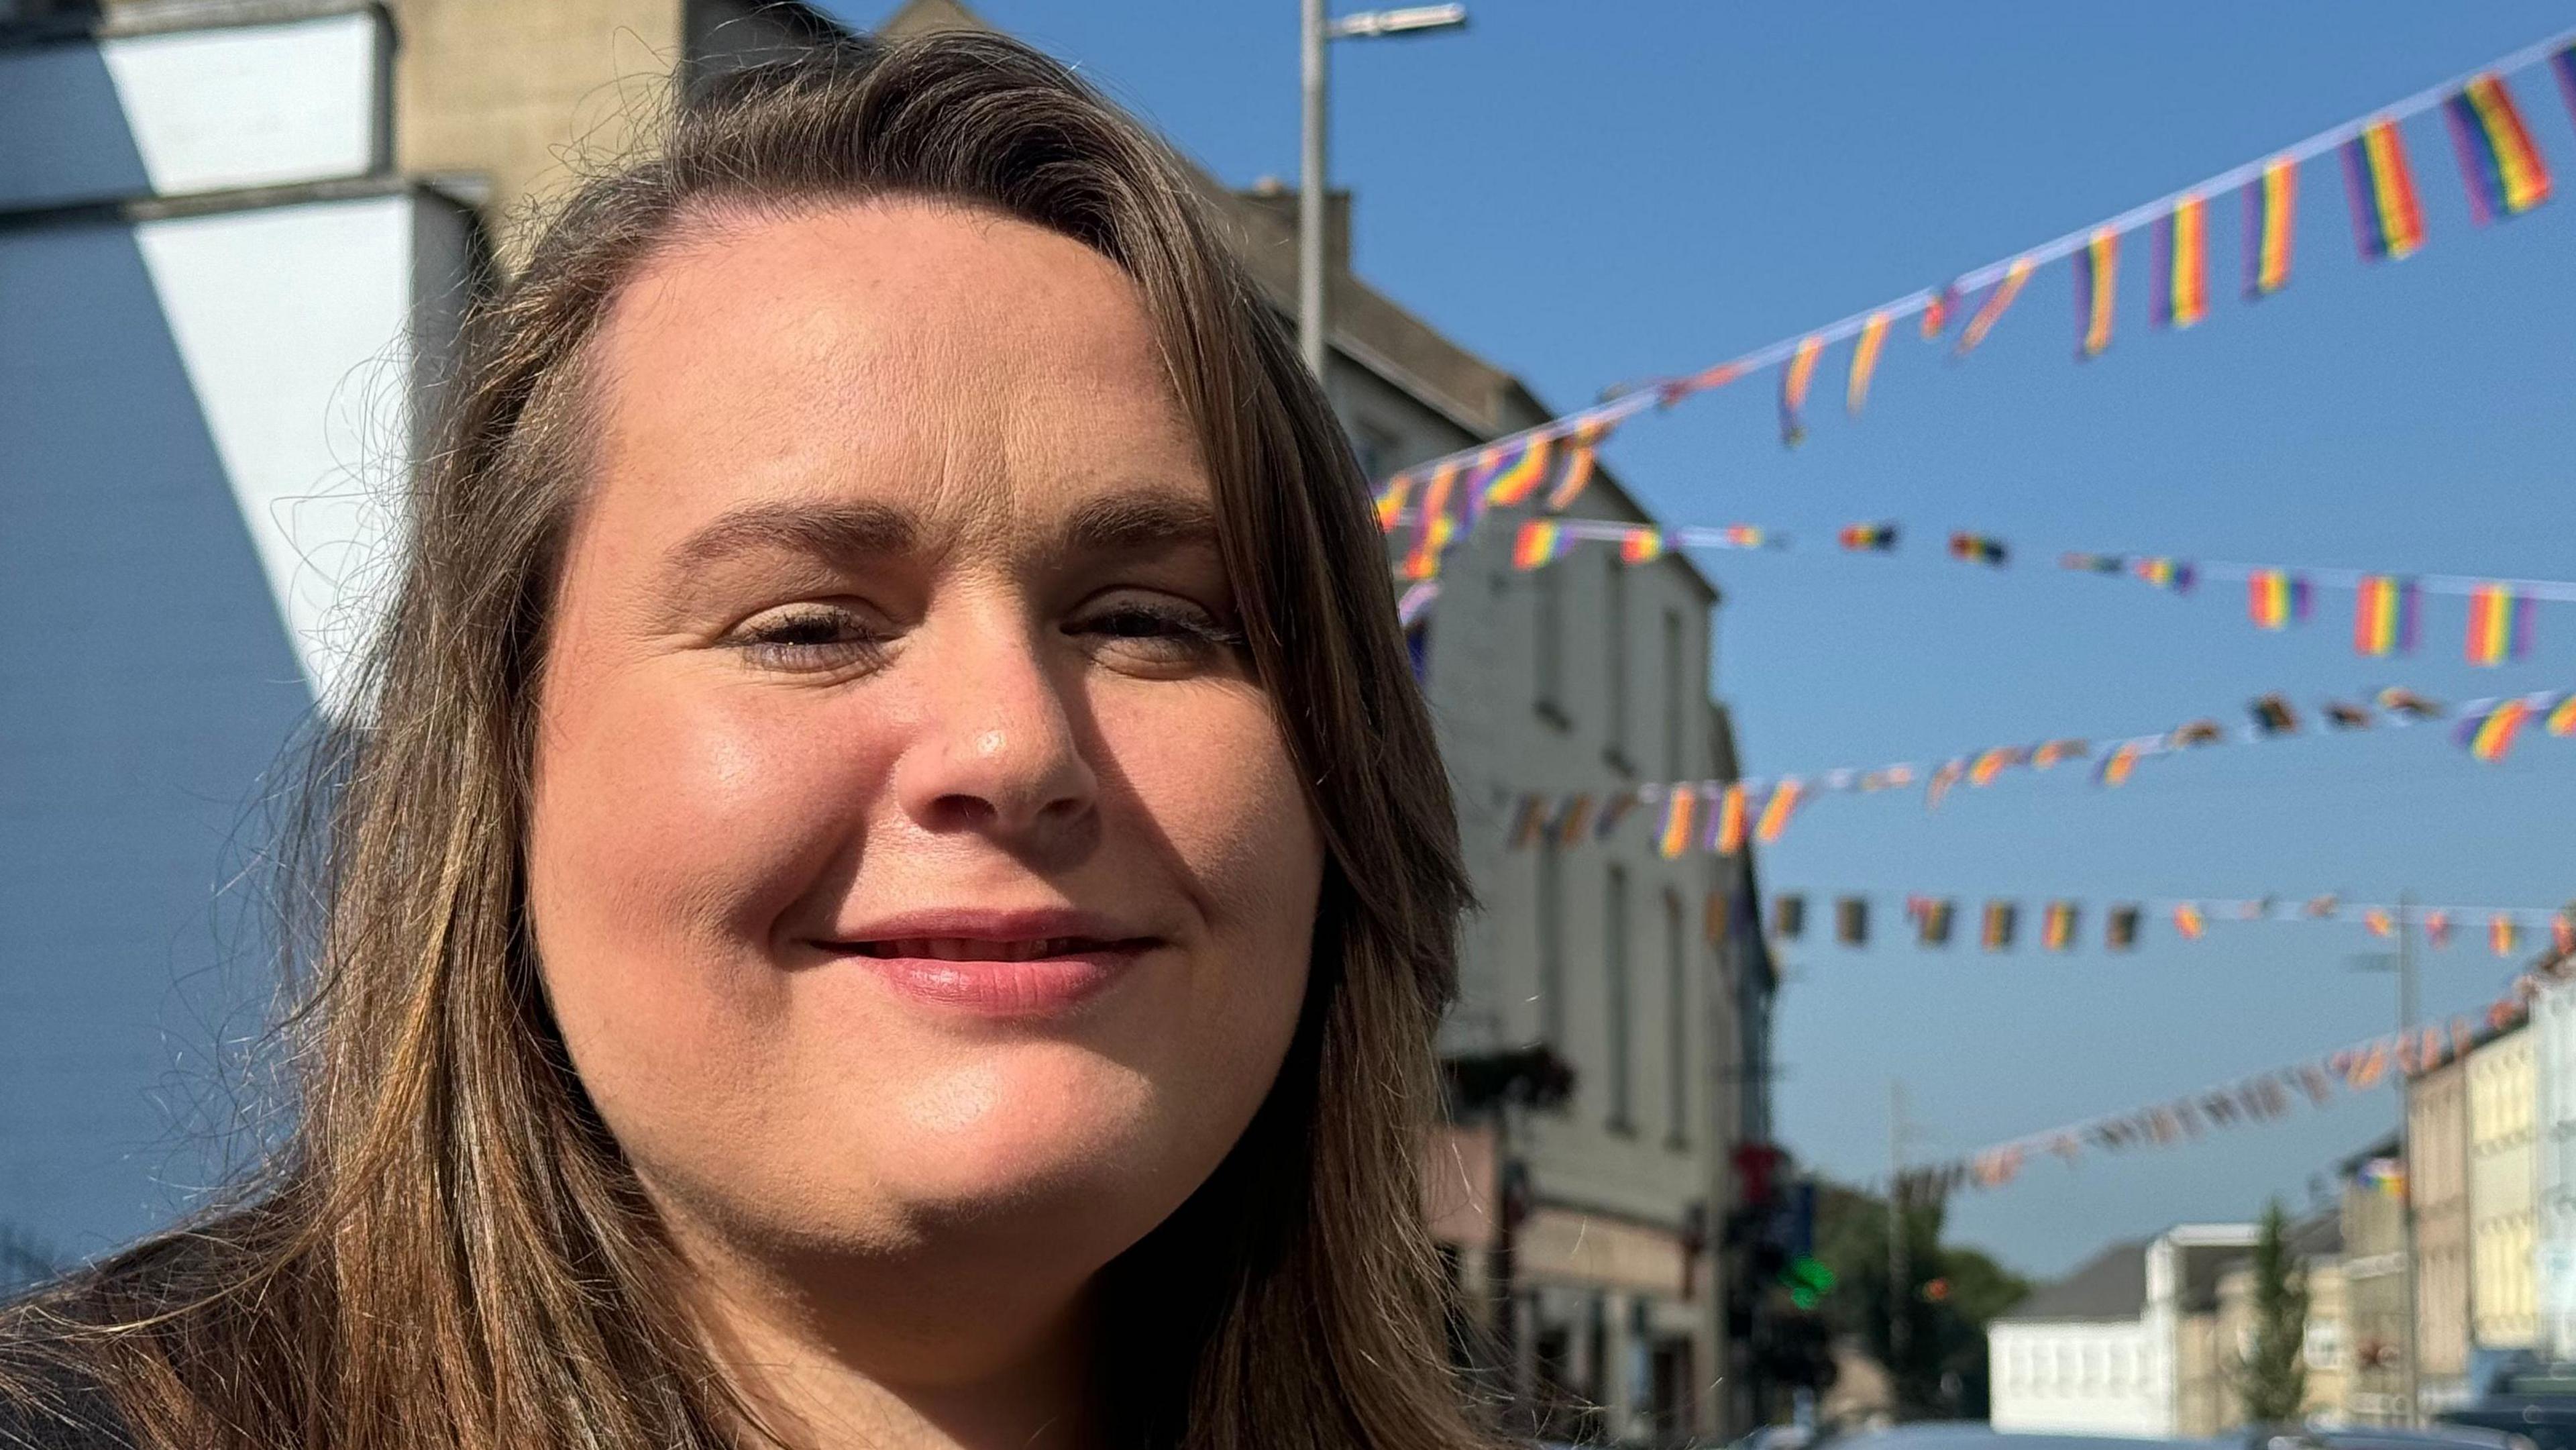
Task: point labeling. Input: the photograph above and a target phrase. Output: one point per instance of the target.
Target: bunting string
(2502, 169)
(1931, 919)
(1760, 809)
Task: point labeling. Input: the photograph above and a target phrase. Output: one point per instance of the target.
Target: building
(2504, 1307)
(254, 202)
(2553, 1033)
(2125, 1345)
(219, 296)
(2374, 1283)
(2437, 1182)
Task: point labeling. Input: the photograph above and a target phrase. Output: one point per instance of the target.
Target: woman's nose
(997, 749)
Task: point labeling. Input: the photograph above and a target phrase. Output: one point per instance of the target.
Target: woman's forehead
(956, 363)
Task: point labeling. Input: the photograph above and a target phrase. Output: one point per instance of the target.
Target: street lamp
(1316, 30)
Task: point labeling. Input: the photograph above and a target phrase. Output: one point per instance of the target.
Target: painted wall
(2078, 1377)
(2437, 1127)
(2503, 1198)
(2553, 1033)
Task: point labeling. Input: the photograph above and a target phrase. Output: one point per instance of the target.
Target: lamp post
(1316, 30)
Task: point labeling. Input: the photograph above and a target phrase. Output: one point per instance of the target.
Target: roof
(2112, 1285)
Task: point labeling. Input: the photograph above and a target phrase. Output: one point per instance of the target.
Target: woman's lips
(1013, 977)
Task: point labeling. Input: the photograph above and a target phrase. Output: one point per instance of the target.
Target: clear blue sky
(1589, 190)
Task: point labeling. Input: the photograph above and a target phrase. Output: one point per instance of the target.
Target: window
(1547, 637)
(1676, 1033)
(1614, 975)
(1614, 610)
(1673, 693)
(1551, 945)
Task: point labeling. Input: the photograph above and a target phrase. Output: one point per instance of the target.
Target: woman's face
(915, 861)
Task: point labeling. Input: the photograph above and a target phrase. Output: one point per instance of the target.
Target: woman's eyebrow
(836, 530)
(1139, 519)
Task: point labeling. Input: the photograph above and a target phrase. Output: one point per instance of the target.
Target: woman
(892, 887)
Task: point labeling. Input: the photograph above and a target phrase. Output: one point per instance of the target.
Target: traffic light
(1807, 1280)
(1936, 1290)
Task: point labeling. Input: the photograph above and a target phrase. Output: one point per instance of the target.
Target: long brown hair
(449, 1250)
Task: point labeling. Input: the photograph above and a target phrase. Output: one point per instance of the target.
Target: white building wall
(2079, 1377)
(2553, 1026)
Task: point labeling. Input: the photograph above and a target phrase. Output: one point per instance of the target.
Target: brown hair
(448, 1250)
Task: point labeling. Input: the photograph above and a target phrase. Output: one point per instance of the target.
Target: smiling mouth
(960, 949)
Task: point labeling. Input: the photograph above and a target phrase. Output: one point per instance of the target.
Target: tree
(1949, 1296)
(2273, 1377)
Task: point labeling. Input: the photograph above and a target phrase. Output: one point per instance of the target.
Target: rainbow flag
(1992, 310)
(1878, 537)
(2097, 278)
(1641, 546)
(1776, 810)
(1873, 335)
(2117, 766)
(2505, 173)
(1794, 381)
(1743, 536)
(1996, 935)
(2188, 920)
(2271, 209)
(1613, 811)
(1578, 464)
(1391, 500)
(2437, 928)
(2383, 615)
(2562, 716)
(2173, 574)
(2182, 265)
(2502, 934)
(2489, 735)
(1992, 763)
(2386, 218)
(2057, 927)
(2274, 598)
(2499, 625)
(1572, 818)
(1529, 821)
(1516, 473)
(1936, 313)
(1728, 835)
(1678, 805)
(1416, 601)
(1434, 528)
(1539, 543)
(2378, 922)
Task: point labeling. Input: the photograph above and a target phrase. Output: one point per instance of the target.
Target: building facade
(2126, 1345)
(2437, 1182)
(2503, 1137)
(2374, 1275)
(2553, 1034)
(2316, 1249)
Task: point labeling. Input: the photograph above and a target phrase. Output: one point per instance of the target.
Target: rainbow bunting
(1879, 538)
(2502, 934)
(1539, 543)
(1391, 501)
(2275, 598)
(1641, 546)
(1529, 822)
(1434, 528)
(2562, 716)
(1729, 833)
(1992, 763)
(1794, 380)
(2188, 920)
(1992, 310)
(2505, 173)
(1743, 536)
(1873, 334)
(2564, 65)
(2097, 278)
(1578, 464)
(2173, 574)
(2437, 928)
(1678, 805)
(2499, 624)
(2271, 208)
(1945, 775)
(2117, 766)
(2378, 922)
(2490, 735)
(2386, 219)
(1936, 313)
(2383, 615)
(1517, 475)
(1416, 601)
(1572, 818)
(1613, 811)
(2182, 264)
(2057, 928)
(1776, 810)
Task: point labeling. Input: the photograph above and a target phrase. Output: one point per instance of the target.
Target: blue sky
(1591, 190)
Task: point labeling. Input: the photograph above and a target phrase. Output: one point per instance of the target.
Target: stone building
(2374, 1275)
(2553, 1033)
(2316, 1250)
(200, 253)
(2504, 1309)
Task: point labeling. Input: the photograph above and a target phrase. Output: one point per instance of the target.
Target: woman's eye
(809, 637)
(1157, 633)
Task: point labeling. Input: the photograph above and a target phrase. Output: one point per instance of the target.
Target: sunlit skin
(893, 630)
